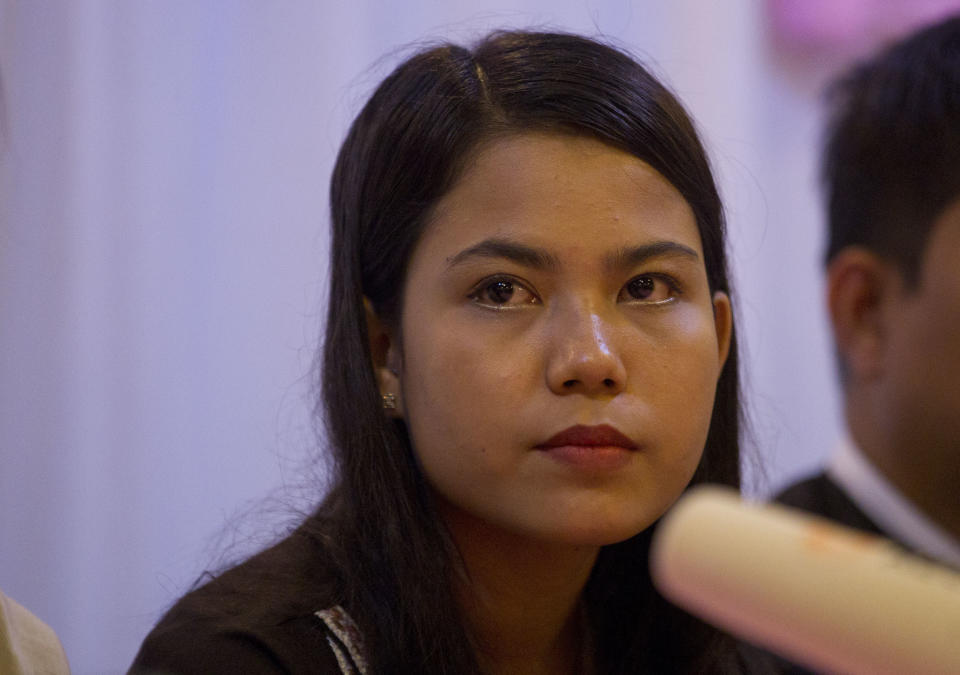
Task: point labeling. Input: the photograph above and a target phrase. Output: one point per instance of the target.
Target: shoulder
(27, 644)
(184, 646)
(807, 494)
(821, 496)
(258, 617)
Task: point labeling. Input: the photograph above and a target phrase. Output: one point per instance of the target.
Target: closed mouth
(589, 436)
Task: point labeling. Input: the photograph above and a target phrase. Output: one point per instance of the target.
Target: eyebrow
(633, 256)
(522, 254)
(538, 258)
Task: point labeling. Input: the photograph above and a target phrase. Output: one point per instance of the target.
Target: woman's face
(559, 347)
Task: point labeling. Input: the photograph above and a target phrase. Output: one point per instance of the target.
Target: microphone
(820, 594)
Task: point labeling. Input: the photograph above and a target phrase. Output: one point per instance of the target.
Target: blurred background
(163, 240)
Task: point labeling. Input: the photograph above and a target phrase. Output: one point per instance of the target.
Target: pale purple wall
(162, 262)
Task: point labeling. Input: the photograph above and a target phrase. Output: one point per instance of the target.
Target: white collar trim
(879, 500)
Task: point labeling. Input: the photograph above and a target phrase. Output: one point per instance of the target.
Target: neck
(521, 598)
(920, 468)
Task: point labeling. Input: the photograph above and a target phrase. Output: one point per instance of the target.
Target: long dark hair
(376, 545)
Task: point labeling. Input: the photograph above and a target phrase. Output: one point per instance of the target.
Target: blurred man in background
(892, 174)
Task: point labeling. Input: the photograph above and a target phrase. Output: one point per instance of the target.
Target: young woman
(529, 356)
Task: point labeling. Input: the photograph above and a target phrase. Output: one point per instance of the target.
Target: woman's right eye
(502, 293)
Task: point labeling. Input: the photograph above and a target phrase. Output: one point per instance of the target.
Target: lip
(598, 449)
(582, 436)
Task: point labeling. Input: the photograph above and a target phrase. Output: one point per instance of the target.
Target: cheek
(683, 385)
(450, 368)
(923, 366)
(455, 356)
(685, 356)
(461, 387)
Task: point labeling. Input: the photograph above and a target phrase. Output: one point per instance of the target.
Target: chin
(598, 533)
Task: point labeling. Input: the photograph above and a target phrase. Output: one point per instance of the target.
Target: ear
(385, 354)
(859, 284)
(723, 322)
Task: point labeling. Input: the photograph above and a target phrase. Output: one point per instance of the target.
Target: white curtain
(163, 258)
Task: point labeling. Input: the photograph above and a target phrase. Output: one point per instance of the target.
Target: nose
(583, 357)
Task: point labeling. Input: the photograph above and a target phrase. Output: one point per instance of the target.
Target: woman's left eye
(648, 289)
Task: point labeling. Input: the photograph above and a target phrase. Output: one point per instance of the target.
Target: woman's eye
(500, 293)
(648, 288)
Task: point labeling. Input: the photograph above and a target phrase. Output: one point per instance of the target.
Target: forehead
(554, 189)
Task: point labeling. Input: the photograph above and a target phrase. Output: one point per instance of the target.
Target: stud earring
(389, 401)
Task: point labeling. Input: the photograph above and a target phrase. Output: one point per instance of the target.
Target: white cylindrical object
(820, 594)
